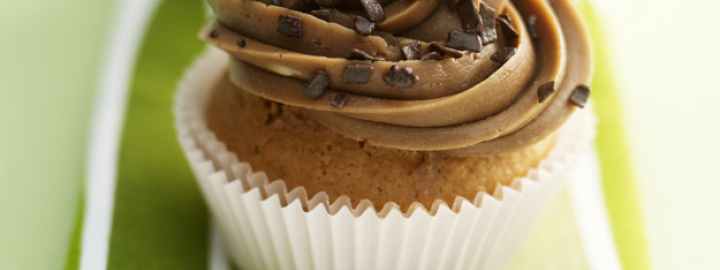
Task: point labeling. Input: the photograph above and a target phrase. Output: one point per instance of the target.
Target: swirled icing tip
(462, 77)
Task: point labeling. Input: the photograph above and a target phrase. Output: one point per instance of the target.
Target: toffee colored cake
(283, 142)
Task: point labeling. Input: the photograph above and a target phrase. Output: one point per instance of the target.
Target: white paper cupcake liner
(266, 226)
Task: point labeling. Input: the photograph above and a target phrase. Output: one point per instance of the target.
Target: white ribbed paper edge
(265, 226)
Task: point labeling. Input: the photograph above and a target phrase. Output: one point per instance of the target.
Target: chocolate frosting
(471, 95)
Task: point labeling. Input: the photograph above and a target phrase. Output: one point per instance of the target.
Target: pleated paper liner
(266, 226)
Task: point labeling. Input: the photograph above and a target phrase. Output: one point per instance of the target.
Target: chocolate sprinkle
(444, 50)
(503, 54)
(241, 43)
(358, 54)
(317, 86)
(411, 51)
(214, 34)
(374, 10)
(363, 26)
(464, 41)
(290, 26)
(532, 26)
(402, 77)
(469, 16)
(358, 73)
(339, 100)
(580, 96)
(486, 28)
(545, 91)
(507, 31)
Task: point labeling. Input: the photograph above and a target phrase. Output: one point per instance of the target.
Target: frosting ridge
(427, 75)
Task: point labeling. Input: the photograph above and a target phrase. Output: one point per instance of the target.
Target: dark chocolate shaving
(363, 26)
(358, 73)
(468, 14)
(411, 51)
(241, 43)
(374, 10)
(545, 91)
(464, 41)
(444, 50)
(317, 86)
(213, 34)
(507, 31)
(358, 54)
(487, 28)
(401, 77)
(339, 100)
(290, 26)
(580, 96)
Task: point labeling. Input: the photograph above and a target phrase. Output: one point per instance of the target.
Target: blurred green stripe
(72, 260)
(619, 183)
(160, 221)
(49, 54)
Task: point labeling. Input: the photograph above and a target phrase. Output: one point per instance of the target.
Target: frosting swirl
(464, 77)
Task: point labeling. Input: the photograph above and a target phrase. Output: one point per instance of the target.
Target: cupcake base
(287, 144)
(267, 226)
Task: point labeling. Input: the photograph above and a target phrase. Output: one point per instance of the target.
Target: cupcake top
(462, 77)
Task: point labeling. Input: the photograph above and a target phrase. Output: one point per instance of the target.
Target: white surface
(666, 53)
(107, 129)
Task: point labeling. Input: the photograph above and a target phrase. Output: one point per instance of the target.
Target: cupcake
(384, 134)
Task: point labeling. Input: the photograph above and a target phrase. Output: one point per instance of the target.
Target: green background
(49, 56)
(50, 52)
